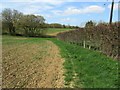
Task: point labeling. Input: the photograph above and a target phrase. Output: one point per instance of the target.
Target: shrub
(103, 37)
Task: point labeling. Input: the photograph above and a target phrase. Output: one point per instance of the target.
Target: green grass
(51, 31)
(93, 69)
(55, 30)
(11, 40)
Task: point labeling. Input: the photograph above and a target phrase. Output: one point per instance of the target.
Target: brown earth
(32, 65)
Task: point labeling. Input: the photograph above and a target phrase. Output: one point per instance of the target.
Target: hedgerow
(103, 37)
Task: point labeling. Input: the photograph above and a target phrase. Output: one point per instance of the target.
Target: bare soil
(32, 65)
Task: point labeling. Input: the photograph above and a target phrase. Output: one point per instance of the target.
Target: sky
(68, 12)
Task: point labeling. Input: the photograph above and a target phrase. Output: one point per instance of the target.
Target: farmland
(50, 63)
(54, 31)
(50, 44)
(28, 63)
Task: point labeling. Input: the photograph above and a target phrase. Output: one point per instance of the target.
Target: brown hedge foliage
(103, 37)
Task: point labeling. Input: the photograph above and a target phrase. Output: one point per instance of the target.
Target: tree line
(57, 25)
(16, 23)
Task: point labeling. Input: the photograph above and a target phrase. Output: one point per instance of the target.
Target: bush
(103, 37)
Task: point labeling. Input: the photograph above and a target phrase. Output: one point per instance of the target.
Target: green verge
(11, 40)
(53, 30)
(87, 68)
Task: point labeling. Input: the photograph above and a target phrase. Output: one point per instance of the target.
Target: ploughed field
(31, 63)
(51, 63)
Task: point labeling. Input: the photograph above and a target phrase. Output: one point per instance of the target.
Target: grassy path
(31, 63)
(88, 68)
(55, 31)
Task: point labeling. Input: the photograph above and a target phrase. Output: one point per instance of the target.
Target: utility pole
(111, 14)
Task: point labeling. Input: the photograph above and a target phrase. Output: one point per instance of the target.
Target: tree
(64, 26)
(90, 23)
(10, 18)
(55, 25)
(32, 25)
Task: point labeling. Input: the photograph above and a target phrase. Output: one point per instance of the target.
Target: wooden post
(111, 14)
(89, 47)
(84, 44)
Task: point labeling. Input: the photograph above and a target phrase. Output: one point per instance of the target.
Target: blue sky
(69, 12)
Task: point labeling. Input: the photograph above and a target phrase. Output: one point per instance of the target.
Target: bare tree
(10, 18)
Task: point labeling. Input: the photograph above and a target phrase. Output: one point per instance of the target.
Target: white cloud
(75, 11)
(65, 19)
(34, 8)
(116, 6)
(30, 10)
(56, 12)
(1, 6)
(44, 15)
(10, 5)
(37, 14)
(60, 1)
(54, 2)
(71, 21)
(26, 8)
(93, 9)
